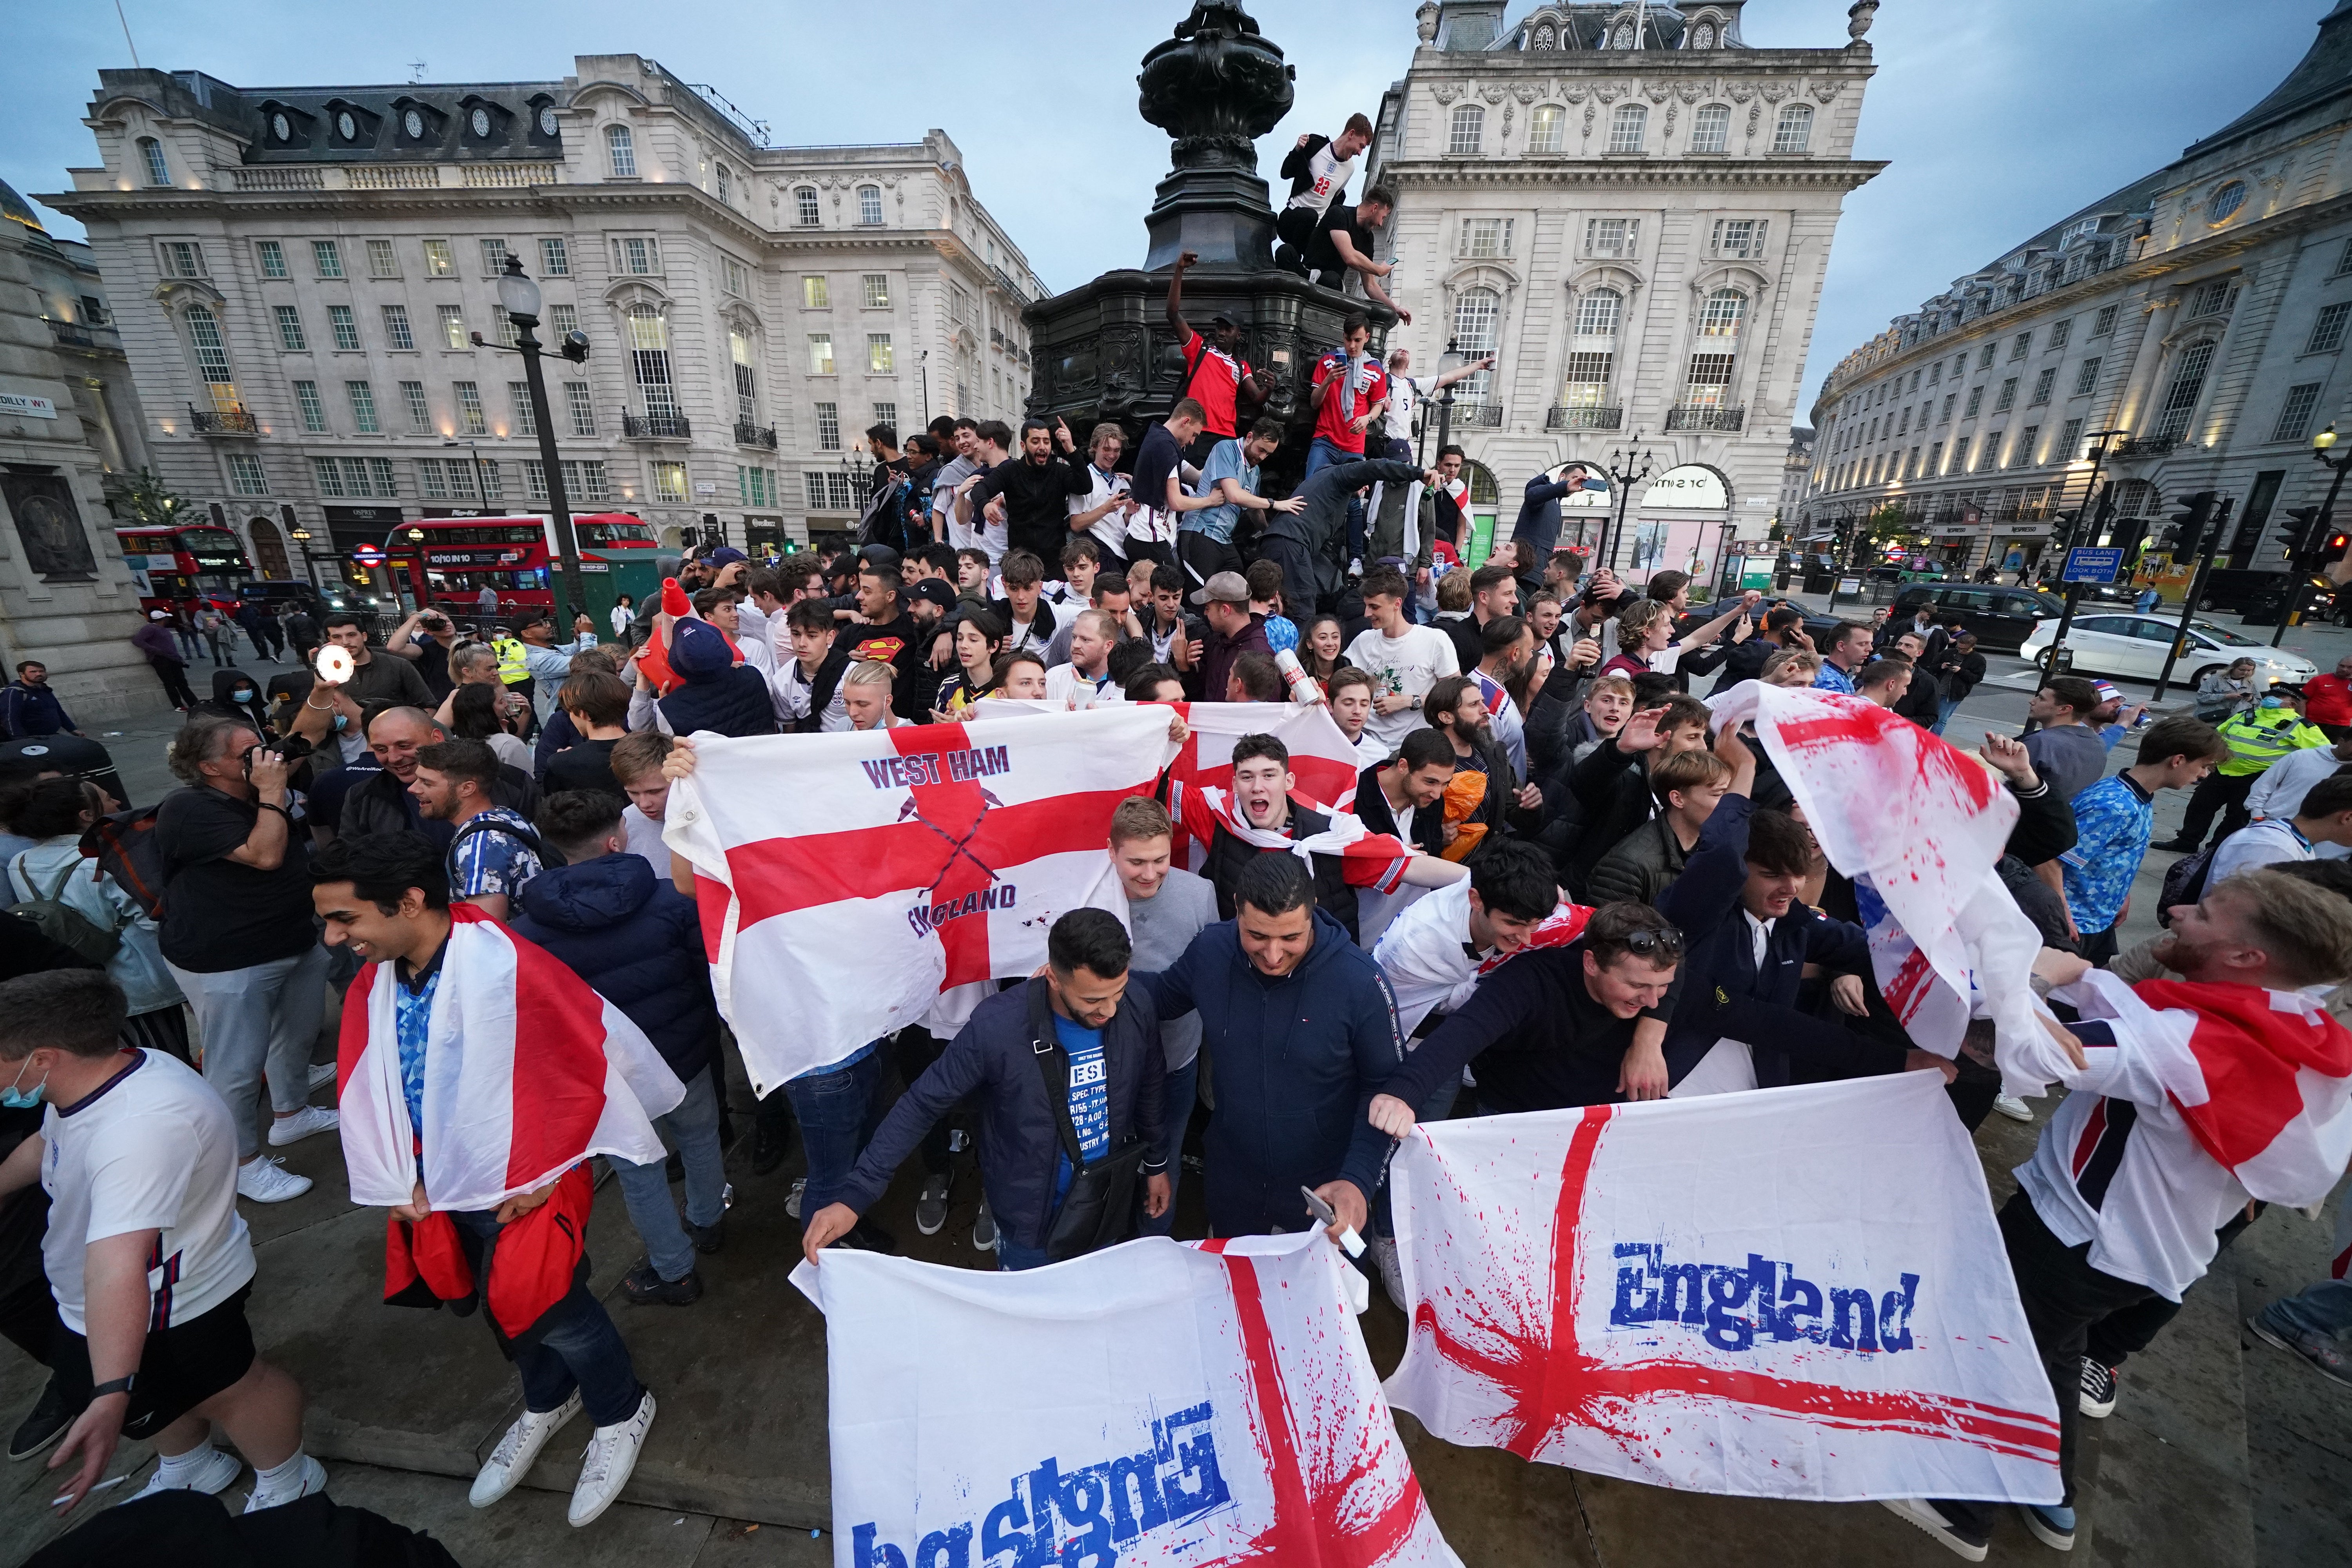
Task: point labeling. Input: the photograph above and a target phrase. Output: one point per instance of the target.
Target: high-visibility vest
(2262, 736)
(514, 666)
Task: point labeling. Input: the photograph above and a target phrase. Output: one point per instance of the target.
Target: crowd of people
(1582, 889)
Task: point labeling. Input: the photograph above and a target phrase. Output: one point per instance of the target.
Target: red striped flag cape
(1367, 860)
(2264, 1080)
(1323, 766)
(527, 1071)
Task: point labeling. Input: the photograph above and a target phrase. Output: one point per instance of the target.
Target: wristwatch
(114, 1385)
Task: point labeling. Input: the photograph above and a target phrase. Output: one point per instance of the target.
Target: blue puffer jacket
(720, 695)
(638, 941)
(1020, 1139)
(1297, 1062)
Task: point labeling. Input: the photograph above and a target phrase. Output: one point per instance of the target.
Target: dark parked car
(2003, 618)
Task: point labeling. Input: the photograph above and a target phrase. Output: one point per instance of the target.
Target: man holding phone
(1538, 528)
(427, 639)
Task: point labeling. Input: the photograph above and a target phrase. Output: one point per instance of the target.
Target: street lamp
(1623, 475)
(1447, 363)
(481, 490)
(518, 296)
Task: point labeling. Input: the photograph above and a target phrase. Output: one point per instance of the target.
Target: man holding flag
(477, 1077)
(2188, 1098)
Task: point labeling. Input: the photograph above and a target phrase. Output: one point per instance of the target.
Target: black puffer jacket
(638, 941)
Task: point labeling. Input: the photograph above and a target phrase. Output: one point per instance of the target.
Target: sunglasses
(1669, 942)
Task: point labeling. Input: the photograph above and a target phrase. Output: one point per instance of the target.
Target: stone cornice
(1838, 174)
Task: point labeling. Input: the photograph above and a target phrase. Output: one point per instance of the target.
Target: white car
(2134, 646)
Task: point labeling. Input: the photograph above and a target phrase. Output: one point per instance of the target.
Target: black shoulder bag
(1097, 1210)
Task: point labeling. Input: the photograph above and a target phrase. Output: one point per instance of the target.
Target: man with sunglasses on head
(1549, 1027)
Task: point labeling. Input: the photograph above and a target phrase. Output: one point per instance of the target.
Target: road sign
(2092, 565)
(367, 555)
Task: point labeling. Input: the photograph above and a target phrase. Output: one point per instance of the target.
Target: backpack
(884, 521)
(68, 927)
(124, 847)
(2185, 883)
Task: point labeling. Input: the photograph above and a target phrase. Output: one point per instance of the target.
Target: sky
(1997, 117)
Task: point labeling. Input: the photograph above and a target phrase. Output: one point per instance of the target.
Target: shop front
(1685, 525)
(349, 528)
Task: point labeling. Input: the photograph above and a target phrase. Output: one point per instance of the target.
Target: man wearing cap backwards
(1233, 630)
(1215, 374)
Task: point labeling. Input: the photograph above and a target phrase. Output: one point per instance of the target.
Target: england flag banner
(1792, 1293)
(845, 880)
(1323, 766)
(1947, 941)
(1210, 1406)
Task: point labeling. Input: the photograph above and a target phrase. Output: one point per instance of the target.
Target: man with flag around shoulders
(2185, 1099)
(477, 1076)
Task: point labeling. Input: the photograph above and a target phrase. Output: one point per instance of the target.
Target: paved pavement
(2221, 1454)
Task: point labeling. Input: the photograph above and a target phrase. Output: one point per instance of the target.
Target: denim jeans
(1182, 1086)
(1945, 708)
(694, 1128)
(838, 1111)
(2323, 1310)
(578, 1348)
(1321, 453)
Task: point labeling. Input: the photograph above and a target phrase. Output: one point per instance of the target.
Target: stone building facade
(69, 439)
(301, 272)
(1634, 209)
(2198, 317)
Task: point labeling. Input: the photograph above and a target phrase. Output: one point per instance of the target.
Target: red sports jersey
(1216, 383)
(1332, 420)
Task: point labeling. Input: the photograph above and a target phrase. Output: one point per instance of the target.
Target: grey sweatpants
(264, 1016)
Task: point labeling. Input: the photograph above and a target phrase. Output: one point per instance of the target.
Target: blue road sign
(2092, 565)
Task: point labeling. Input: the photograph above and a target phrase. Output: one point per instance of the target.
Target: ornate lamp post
(519, 296)
(1628, 466)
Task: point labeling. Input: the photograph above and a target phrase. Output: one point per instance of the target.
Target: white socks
(175, 1468)
(278, 1478)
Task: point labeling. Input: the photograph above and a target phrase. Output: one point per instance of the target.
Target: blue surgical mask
(343, 720)
(2274, 702)
(16, 1099)
(242, 695)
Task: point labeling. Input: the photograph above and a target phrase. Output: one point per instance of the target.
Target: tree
(147, 503)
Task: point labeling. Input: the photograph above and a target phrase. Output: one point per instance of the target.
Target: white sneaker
(2013, 1107)
(303, 1123)
(321, 1074)
(517, 1449)
(611, 1458)
(269, 1182)
(792, 1203)
(1384, 1250)
(312, 1478)
(214, 1473)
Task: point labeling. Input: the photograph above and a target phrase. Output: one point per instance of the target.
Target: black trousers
(1298, 581)
(2212, 796)
(2113, 1338)
(174, 677)
(1203, 558)
(2062, 1296)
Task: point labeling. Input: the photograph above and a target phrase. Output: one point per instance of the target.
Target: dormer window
(280, 128)
(412, 125)
(2226, 202)
(547, 120)
(480, 122)
(346, 127)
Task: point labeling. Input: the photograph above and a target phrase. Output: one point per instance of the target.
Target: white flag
(1792, 1292)
(1155, 1403)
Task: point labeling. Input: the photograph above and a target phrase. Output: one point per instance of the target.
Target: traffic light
(2308, 538)
(2185, 537)
(2332, 548)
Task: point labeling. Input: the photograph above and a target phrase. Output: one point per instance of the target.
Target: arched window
(2180, 398)
(1468, 129)
(747, 381)
(1711, 128)
(726, 184)
(1628, 127)
(1796, 129)
(804, 209)
(621, 148)
(1722, 314)
(1597, 313)
(869, 204)
(1623, 38)
(648, 336)
(1545, 38)
(212, 358)
(152, 152)
(1547, 128)
(1702, 36)
(1478, 313)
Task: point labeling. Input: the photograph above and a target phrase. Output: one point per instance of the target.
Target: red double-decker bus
(514, 557)
(173, 564)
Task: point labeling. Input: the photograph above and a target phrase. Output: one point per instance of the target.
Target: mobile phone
(1326, 1214)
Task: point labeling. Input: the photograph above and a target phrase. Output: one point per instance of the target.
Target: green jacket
(2261, 736)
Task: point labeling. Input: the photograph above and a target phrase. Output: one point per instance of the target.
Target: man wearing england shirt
(1406, 395)
(1216, 376)
(1318, 169)
(1351, 392)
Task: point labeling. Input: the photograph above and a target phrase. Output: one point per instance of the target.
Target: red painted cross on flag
(847, 879)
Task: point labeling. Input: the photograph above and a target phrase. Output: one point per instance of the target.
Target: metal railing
(2144, 446)
(1478, 415)
(82, 335)
(1705, 417)
(1584, 416)
(750, 435)
(223, 421)
(655, 426)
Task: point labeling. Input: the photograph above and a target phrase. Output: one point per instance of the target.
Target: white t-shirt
(1411, 665)
(154, 1150)
(1109, 529)
(1065, 684)
(1404, 392)
(646, 839)
(1369, 750)
(1329, 177)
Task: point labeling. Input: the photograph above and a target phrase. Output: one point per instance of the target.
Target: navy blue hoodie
(720, 695)
(1298, 1060)
(636, 940)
